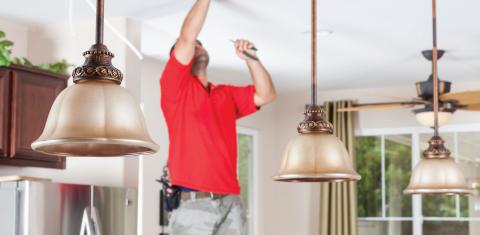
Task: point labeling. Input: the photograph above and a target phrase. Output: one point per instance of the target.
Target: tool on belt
(170, 194)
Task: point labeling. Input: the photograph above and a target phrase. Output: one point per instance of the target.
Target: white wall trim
(416, 129)
(254, 197)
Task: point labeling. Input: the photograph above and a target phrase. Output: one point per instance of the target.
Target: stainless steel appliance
(45, 208)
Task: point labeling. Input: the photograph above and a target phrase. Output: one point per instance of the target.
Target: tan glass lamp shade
(316, 157)
(437, 172)
(437, 176)
(95, 118)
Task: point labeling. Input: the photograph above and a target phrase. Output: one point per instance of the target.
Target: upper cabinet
(26, 96)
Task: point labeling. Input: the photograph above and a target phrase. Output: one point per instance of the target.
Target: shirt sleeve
(243, 98)
(175, 77)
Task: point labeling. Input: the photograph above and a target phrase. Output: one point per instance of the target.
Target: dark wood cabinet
(26, 95)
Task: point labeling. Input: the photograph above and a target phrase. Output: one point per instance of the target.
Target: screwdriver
(248, 54)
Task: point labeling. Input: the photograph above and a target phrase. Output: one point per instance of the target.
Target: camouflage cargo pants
(219, 216)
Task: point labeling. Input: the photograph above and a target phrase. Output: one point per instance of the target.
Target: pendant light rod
(314, 52)
(435, 66)
(99, 25)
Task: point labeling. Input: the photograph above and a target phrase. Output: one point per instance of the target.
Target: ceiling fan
(449, 102)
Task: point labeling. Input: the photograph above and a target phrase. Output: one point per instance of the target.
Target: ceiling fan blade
(463, 98)
(418, 100)
(464, 54)
(471, 107)
(379, 106)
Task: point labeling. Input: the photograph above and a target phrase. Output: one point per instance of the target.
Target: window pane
(438, 206)
(385, 228)
(245, 143)
(468, 160)
(398, 165)
(464, 206)
(470, 206)
(368, 158)
(446, 227)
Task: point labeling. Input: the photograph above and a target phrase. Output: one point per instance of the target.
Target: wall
(151, 166)
(17, 33)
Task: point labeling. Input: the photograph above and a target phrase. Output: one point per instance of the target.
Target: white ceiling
(375, 42)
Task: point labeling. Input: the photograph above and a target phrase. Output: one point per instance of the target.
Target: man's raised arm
(185, 46)
(264, 89)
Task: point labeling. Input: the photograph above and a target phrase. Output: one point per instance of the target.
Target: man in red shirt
(201, 119)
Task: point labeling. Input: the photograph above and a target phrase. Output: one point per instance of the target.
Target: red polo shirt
(202, 129)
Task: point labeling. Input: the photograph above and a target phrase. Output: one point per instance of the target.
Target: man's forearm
(194, 21)
(264, 88)
(185, 46)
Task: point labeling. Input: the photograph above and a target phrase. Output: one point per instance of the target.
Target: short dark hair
(173, 46)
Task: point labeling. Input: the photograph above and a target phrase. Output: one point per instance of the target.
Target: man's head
(201, 58)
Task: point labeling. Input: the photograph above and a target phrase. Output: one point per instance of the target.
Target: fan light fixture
(426, 118)
(437, 173)
(316, 155)
(96, 116)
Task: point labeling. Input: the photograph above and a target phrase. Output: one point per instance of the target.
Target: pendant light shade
(437, 172)
(437, 176)
(96, 116)
(316, 157)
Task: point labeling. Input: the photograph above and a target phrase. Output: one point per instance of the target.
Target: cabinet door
(33, 93)
(4, 111)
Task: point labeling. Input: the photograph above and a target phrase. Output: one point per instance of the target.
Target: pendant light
(96, 116)
(437, 172)
(316, 155)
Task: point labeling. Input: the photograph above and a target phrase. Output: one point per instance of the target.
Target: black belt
(200, 195)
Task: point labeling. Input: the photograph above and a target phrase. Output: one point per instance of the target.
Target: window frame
(417, 217)
(253, 182)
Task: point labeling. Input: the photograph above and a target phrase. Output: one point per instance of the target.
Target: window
(384, 163)
(246, 141)
(385, 159)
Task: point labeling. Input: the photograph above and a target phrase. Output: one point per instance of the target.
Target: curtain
(338, 201)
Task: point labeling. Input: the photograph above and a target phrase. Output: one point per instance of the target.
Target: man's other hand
(242, 46)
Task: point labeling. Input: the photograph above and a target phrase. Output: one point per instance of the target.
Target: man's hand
(264, 89)
(242, 46)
